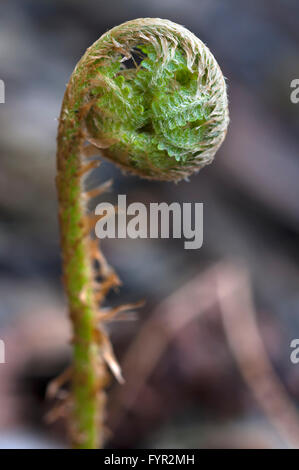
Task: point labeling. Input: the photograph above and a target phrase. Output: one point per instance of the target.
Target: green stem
(88, 368)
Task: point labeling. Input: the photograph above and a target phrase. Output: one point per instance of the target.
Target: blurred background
(207, 362)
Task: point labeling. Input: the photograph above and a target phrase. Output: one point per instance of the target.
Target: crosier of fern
(149, 96)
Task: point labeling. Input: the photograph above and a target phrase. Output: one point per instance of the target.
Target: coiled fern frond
(152, 98)
(158, 103)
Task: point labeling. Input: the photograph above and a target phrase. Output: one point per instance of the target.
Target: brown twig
(242, 331)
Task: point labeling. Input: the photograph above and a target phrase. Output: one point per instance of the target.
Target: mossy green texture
(152, 112)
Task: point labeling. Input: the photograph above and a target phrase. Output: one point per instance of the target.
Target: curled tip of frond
(152, 97)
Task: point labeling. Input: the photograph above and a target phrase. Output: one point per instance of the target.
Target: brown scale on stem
(109, 280)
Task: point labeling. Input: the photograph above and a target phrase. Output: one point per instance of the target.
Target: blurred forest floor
(194, 394)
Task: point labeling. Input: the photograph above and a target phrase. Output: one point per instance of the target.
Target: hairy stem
(88, 369)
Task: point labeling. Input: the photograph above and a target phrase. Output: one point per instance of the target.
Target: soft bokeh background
(190, 382)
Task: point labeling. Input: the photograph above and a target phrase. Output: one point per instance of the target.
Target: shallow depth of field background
(190, 382)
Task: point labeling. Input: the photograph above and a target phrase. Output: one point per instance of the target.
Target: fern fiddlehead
(152, 98)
